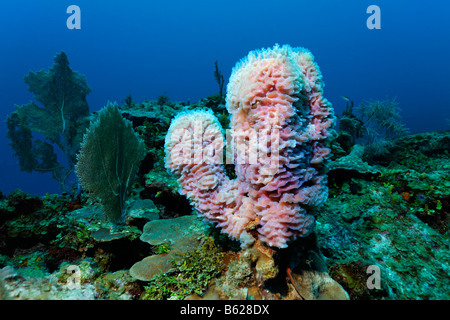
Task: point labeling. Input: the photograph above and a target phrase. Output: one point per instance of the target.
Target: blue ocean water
(149, 48)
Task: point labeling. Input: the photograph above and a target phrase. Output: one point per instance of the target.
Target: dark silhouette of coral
(60, 117)
(350, 127)
(219, 77)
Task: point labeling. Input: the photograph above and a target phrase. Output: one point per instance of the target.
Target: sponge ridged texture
(279, 116)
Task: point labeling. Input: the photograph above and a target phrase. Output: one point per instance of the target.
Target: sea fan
(59, 116)
(109, 157)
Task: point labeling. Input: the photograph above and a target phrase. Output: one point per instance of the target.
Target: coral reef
(189, 275)
(396, 220)
(395, 217)
(353, 162)
(179, 235)
(391, 215)
(277, 94)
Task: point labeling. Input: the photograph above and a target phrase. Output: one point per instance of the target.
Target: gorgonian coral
(60, 117)
(109, 157)
(280, 124)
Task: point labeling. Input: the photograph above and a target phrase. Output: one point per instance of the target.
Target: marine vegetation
(110, 155)
(219, 77)
(382, 123)
(59, 118)
(350, 127)
(128, 102)
(372, 123)
(189, 275)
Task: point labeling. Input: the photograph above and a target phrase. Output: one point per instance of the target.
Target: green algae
(190, 275)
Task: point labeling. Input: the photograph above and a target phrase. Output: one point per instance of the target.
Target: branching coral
(280, 124)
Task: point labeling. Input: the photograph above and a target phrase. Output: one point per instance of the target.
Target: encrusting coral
(280, 125)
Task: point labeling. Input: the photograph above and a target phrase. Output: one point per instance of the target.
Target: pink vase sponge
(279, 129)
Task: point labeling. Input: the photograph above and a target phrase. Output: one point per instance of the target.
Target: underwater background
(147, 49)
(388, 200)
